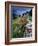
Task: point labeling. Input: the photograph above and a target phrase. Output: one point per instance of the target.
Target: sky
(20, 10)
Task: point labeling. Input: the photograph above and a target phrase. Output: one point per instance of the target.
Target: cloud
(20, 10)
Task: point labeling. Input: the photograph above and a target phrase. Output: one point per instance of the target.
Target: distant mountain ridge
(17, 13)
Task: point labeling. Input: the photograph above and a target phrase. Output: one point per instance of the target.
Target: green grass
(18, 30)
